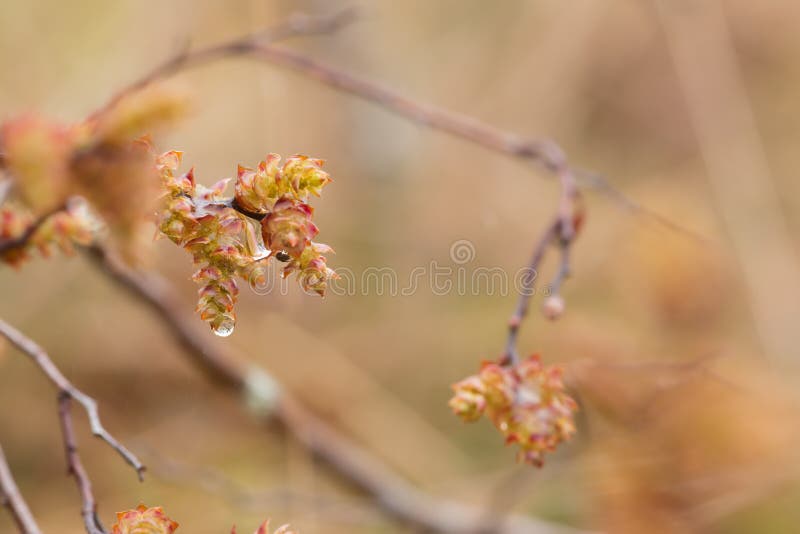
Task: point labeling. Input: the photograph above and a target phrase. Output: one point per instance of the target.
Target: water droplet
(261, 252)
(224, 329)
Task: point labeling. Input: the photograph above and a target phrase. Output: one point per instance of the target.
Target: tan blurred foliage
(680, 446)
(685, 281)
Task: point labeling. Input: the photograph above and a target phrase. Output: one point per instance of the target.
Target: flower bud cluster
(219, 233)
(526, 402)
(280, 194)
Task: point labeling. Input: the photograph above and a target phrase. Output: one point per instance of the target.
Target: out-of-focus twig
(65, 387)
(260, 46)
(296, 25)
(22, 240)
(89, 508)
(560, 230)
(544, 151)
(526, 291)
(12, 499)
(393, 495)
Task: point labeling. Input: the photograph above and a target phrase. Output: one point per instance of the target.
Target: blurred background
(682, 351)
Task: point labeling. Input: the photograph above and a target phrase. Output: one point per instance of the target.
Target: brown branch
(297, 25)
(22, 240)
(40, 357)
(468, 128)
(564, 269)
(560, 230)
(75, 468)
(12, 499)
(545, 152)
(258, 46)
(526, 291)
(395, 496)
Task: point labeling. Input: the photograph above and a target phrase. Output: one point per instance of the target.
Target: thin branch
(545, 152)
(560, 230)
(564, 268)
(463, 126)
(294, 26)
(393, 495)
(22, 240)
(600, 184)
(12, 499)
(89, 509)
(40, 358)
(346, 510)
(527, 290)
(258, 46)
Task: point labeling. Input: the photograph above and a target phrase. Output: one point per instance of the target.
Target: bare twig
(258, 46)
(89, 509)
(544, 151)
(40, 357)
(560, 230)
(297, 25)
(526, 291)
(394, 496)
(22, 240)
(12, 499)
(564, 268)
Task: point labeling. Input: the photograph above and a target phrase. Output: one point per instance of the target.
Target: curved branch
(259, 46)
(297, 25)
(65, 387)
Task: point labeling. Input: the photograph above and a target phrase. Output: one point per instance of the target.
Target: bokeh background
(681, 350)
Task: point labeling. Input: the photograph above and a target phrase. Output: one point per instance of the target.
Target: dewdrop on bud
(224, 328)
(553, 307)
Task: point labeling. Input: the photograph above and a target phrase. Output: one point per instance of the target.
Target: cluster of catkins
(268, 217)
(527, 403)
(154, 521)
